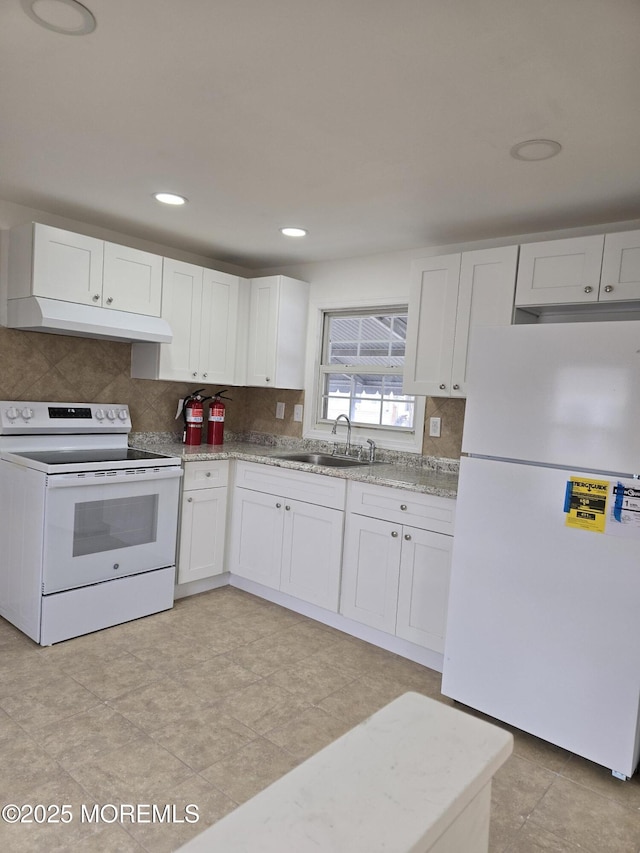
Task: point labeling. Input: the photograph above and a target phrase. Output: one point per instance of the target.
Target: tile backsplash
(38, 366)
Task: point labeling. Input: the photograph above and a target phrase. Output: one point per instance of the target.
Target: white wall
(386, 276)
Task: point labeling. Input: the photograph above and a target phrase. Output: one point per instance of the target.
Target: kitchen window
(361, 369)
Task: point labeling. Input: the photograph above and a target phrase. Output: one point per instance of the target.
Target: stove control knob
(100, 414)
(27, 413)
(122, 414)
(12, 413)
(111, 414)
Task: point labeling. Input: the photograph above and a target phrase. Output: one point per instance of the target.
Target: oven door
(102, 525)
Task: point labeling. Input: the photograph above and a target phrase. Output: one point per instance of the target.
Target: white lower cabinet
(371, 572)
(395, 576)
(423, 592)
(286, 532)
(256, 538)
(203, 517)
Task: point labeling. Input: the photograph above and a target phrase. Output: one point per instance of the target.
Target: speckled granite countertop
(428, 475)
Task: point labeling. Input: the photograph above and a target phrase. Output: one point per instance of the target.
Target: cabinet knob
(194, 374)
(189, 500)
(287, 507)
(109, 300)
(278, 506)
(267, 379)
(96, 297)
(407, 536)
(403, 506)
(204, 375)
(588, 289)
(456, 387)
(394, 533)
(208, 474)
(442, 386)
(608, 288)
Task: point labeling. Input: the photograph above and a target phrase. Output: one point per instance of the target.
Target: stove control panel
(20, 417)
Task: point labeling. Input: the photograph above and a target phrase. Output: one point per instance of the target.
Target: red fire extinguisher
(215, 426)
(193, 414)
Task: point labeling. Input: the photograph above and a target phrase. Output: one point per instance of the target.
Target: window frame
(314, 426)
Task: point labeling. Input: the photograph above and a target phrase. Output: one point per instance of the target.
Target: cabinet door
(202, 534)
(433, 298)
(621, 267)
(132, 280)
(560, 271)
(181, 301)
(219, 322)
(263, 321)
(257, 537)
(423, 592)
(67, 266)
(370, 572)
(312, 553)
(485, 298)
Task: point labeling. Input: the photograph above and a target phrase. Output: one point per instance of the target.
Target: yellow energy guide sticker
(585, 504)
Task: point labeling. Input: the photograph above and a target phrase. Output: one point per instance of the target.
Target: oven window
(117, 523)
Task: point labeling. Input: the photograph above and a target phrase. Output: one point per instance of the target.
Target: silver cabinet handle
(278, 506)
(407, 536)
(394, 533)
(96, 297)
(189, 500)
(194, 374)
(267, 379)
(608, 288)
(109, 300)
(208, 474)
(403, 506)
(588, 289)
(442, 387)
(287, 507)
(204, 375)
(456, 387)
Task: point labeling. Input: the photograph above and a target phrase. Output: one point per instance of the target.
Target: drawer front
(427, 512)
(297, 485)
(205, 475)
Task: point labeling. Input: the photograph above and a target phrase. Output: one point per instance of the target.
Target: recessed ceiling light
(536, 149)
(293, 232)
(62, 16)
(170, 198)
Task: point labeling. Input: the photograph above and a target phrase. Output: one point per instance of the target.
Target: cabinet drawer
(427, 512)
(297, 485)
(205, 475)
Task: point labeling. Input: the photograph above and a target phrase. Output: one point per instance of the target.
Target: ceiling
(376, 125)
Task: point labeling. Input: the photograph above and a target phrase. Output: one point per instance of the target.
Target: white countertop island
(414, 777)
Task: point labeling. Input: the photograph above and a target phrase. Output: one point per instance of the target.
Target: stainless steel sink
(323, 459)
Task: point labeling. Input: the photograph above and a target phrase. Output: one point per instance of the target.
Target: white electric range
(88, 525)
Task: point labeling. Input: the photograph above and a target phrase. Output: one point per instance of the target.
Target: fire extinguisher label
(194, 419)
(217, 418)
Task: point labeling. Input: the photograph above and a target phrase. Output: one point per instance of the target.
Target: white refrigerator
(543, 627)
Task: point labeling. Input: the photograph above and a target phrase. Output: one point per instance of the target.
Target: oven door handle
(74, 481)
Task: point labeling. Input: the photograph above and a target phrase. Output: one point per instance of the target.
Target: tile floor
(212, 701)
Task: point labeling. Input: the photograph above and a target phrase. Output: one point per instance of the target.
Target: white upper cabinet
(560, 271)
(277, 332)
(201, 306)
(603, 268)
(131, 280)
(450, 295)
(620, 278)
(57, 264)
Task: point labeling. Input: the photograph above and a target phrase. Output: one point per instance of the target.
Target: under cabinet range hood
(37, 314)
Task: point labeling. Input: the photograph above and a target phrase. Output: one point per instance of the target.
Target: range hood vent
(36, 314)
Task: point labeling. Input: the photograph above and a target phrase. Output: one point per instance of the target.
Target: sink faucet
(372, 449)
(335, 426)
